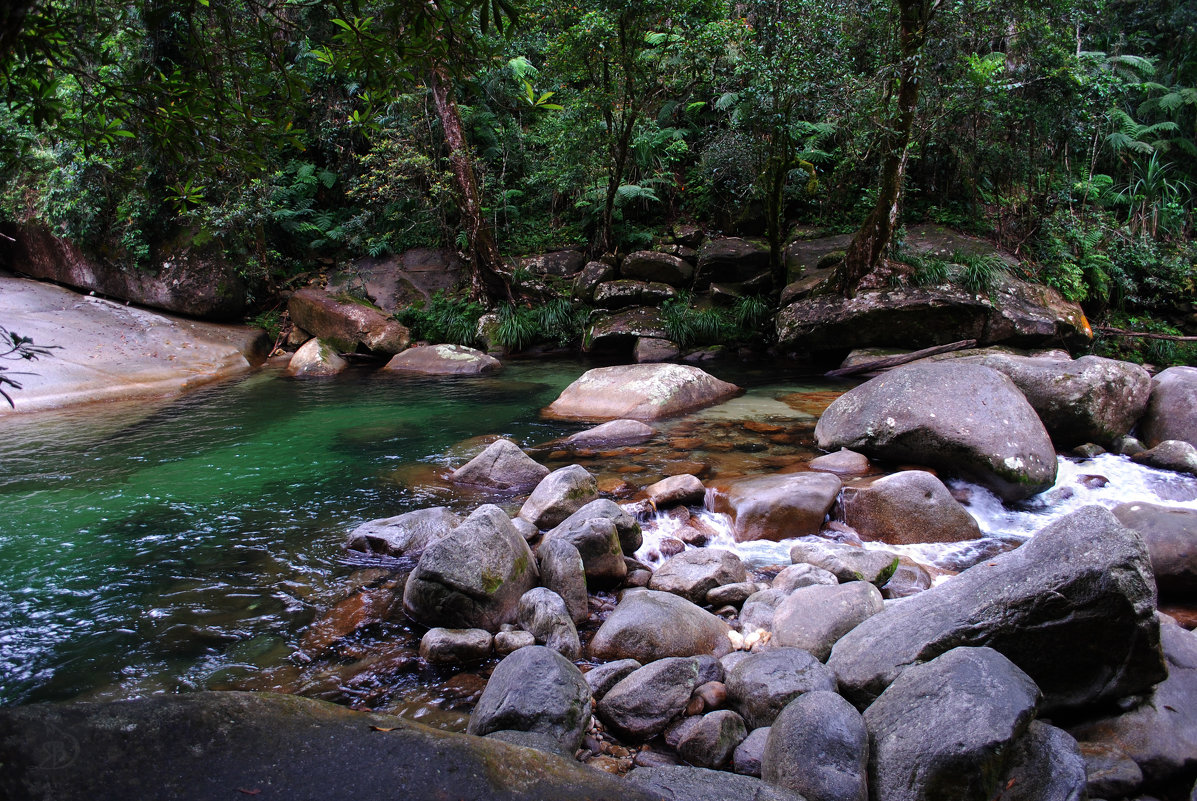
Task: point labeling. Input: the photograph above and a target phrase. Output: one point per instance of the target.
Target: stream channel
(188, 544)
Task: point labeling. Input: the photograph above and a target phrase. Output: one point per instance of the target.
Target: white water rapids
(1079, 482)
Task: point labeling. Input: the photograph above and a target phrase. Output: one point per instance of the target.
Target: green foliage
(978, 272)
(443, 319)
(1161, 352)
(557, 321)
(690, 326)
(270, 321)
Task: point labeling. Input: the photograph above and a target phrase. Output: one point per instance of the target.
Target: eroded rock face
(944, 729)
(443, 360)
(346, 325)
(472, 577)
(908, 507)
(964, 419)
(648, 625)
(777, 507)
(501, 466)
(641, 392)
(1172, 408)
(1074, 607)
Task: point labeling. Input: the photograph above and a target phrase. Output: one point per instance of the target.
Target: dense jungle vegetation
(293, 135)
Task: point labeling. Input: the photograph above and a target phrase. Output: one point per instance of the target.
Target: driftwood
(1121, 332)
(904, 358)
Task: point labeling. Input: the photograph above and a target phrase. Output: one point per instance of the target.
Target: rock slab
(640, 392)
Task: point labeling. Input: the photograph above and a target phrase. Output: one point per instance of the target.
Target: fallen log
(1122, 332)
(903, 358)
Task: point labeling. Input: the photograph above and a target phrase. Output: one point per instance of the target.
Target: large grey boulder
(474, 576)
(764, 682)
(692, 574)
(640, 392)
(818, 747)
(909, 507)
(945, 729)
(443, 360)
(630, 535)
(316, 359)
(964, 419)
(1172, 408)
(846, 562)
(1176, 455)
(501, 466)
(683, 783)
(648, 625)
(558, 495)
(649, 265)
(1074, 607)
(562, 571)
(776, 507)
(1090, 399)
(403, 535)
(602, 678)
(205, 746)
(1171, 536)
(542, 613)
(643, 703)
(814, 618)
(345, 324)
(1046, 766)
(712, 742)
(535, 689)
(597, 541)
(730, 260)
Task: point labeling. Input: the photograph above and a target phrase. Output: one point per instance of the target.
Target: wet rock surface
(640, 392)
(777, 507)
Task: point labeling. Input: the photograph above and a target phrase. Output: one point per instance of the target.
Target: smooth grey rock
(502, 466)
(443, 360)
(1046, 766)
(525, 529)
(562, 571)
(680, 490)
(613, 432)
(543, 614)
(558, 495)
(818, 747)
(757, 612)
(846, 562)
(316, 359)
(802, 575)
(630, 536)
(403, 535)
(650, 350)
(964, 419)
(643, 703)
(693, 573)
(1074, 607)
(843, 463)
(731, 594)
(472, 577)
(681, 783)
(603, 677)
(1171, 454)
(906, 508)
(1172, 408)
(712, 742)
(640, 392)
(761, 685)
(747, 757)
(508, 642)
(535, 689)
(454, 646)
(1171, 536)
(814, 618)
(946, 728)
(532, 739)
(776, 507)
(597, 542)
(1109, 772)
(648, 625)
(648, 265)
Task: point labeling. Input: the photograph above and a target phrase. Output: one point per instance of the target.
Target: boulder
(1089, 399)
(843, 463)
(613, 432)
(1046, 766)
(403, 535)
(964, 419)
(711, 743)
(946, 729)
(558, 495)
(397, 281)
(1074, 607)
(535, 689)
(474, 576)
(802, 575)
(630, 535)
(619, 331)
(316, 359)
(443, 360)
(562, 571)
(758, 610)
(692, 574)
(593, 274)
(683, 783)
(597, 542)
(748, 755)
(1171, 536)
(281, 745)
(542, 613)
(560, 263)
(649, 350)
(1109, 772)
(818, 747)
(643, 703)
(907, 508)
(679, 490)
(776, 507)
(346, 324)
(508, 642)
(731, 594)
(846, 562)
(454, 646)
(730, 260)
(1013, 313)
(649, 265)
(908, 579)
(602, 678)
(763, 683)
(502, 466)
(622, 293)
(648, 625)
(1172, 407)
(814, 618)
(640, 391)
(1171, 454)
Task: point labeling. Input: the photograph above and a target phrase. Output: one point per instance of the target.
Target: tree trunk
(866, 252)
(486, 283)
(619, 162)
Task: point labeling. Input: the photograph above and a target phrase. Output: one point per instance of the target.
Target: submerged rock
(964, 419)
(640, 391)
